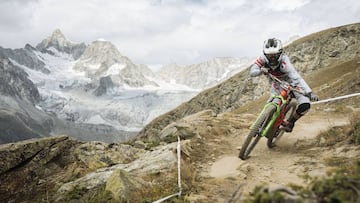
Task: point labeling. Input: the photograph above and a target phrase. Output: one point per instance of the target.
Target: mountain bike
(274, 113)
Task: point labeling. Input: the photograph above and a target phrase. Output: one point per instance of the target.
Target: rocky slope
(25, 57)
(20, 119)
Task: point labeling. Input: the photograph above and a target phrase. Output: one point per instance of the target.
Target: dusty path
(228, 176)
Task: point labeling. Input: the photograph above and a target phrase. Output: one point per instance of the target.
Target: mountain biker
(273, 61)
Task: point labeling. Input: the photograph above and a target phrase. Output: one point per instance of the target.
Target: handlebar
(285, 84)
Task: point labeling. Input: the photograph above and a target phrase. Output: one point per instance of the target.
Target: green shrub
(77, 192)
(260, 194)
(344, 186)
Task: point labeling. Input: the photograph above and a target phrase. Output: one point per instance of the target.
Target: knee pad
(303, 108)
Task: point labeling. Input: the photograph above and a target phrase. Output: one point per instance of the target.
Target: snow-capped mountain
(102, 59)
(102, 87)
(95, 91)
(206, 74)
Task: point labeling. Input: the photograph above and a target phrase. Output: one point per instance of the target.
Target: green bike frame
(277, 101)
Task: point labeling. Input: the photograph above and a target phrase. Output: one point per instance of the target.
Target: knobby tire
(255, 132)
(277, 134)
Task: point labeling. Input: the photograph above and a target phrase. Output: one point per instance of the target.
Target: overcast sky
(172, 31)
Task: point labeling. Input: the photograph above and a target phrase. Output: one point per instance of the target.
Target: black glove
(313, 97)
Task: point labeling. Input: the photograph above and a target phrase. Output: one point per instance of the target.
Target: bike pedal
(285, 128)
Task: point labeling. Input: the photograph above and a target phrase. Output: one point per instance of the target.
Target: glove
(313, 97)
(264, 70)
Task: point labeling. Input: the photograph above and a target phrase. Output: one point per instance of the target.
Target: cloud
(14, 15)
(286, 5)
(172, 31)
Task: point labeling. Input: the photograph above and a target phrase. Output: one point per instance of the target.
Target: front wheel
(273, 138)
(255, 133)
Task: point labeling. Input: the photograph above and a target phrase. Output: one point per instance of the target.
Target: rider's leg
(302, 109)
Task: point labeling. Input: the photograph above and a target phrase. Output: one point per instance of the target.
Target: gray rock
(14, 82)
(25, 57)
(105, 84)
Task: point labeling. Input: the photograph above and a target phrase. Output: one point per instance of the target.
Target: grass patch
(162, 186)
(343, 186)
(349, 134)
(97, 195)
(344, 162)
(355, 124)
(331, 137)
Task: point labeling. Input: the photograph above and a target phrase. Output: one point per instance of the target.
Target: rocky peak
(29, 47)
(102, 58)
(58, 41)
(103, 51)
(98, 57)
(58, 36)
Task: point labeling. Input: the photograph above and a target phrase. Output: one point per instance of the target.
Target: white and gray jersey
(285, 71)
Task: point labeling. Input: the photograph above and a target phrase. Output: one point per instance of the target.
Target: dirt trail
(228, 175)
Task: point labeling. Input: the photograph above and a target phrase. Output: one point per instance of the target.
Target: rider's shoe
(287, 126)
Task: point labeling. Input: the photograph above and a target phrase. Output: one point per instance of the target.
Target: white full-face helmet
(272, 50)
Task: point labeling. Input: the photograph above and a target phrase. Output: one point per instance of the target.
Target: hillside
(211, 126)
(319, 50)
(311, 150)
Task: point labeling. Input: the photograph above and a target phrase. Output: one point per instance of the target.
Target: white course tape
(179, 176)
(336, 98)
(179, 160)
(166, 198)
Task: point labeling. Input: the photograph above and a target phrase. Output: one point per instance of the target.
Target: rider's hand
(313, 97)
(264, 70)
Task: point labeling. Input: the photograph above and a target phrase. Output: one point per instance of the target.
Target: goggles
(273, 57)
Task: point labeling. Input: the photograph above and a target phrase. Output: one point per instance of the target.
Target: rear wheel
(273, 138)
(255, 133)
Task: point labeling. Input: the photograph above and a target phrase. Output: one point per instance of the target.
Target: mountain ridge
(95, 87)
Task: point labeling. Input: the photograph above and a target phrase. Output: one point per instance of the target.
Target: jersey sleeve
(255, 68)
(294, 77)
